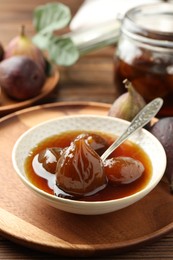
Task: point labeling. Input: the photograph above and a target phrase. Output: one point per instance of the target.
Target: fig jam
(149, 83)
(144, 54)
(46, 181)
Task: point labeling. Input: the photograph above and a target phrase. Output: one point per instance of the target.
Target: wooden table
(90, 79)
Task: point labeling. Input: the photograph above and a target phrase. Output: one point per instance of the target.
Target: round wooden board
(25, 219)
(8, 105)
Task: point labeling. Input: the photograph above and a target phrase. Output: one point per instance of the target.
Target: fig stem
(129, 87)
(127, 83)
(22, 33)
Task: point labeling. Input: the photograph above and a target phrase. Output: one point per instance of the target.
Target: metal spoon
(141, 119)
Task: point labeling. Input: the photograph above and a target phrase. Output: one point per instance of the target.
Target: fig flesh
(123, 170)
(20, 77)
(80, 170)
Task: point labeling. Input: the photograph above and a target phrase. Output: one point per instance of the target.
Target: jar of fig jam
(144, 53)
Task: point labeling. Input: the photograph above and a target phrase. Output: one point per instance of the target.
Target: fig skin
(128, 104)
(80, 170)
(163, 131)
(21, 78)
(22, 45)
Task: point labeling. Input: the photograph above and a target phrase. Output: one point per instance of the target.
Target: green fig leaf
(42, 41)
(50, 17)
(63, 51)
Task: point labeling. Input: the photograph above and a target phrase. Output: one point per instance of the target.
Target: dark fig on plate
(80, 170)
(22, 45)
(163, 131)
(128, 105)
(123, 170)
(21, 78)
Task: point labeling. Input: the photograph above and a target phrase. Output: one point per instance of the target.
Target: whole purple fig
(22, 45)
(163, 131)
(21, 78)
(128, 104)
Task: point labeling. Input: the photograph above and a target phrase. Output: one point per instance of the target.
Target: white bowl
(106, 124)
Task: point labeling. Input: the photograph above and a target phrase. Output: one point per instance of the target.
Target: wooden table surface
(90, 79)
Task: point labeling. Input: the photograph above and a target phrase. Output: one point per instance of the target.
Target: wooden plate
(25, 219)
(8, 105)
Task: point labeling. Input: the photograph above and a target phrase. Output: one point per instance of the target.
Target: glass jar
(144, 53)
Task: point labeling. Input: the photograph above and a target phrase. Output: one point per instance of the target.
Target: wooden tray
(8, 105)
(25, 219)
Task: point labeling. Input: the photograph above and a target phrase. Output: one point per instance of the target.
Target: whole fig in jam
(123, 170)
(80, 170)
(21, 78)
(49, 158)
(97, 142)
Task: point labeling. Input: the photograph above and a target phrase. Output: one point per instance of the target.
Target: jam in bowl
(60, 161)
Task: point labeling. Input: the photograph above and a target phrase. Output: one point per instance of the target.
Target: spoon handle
(141, 119)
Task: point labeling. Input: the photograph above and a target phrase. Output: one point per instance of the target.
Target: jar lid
(153, 21)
